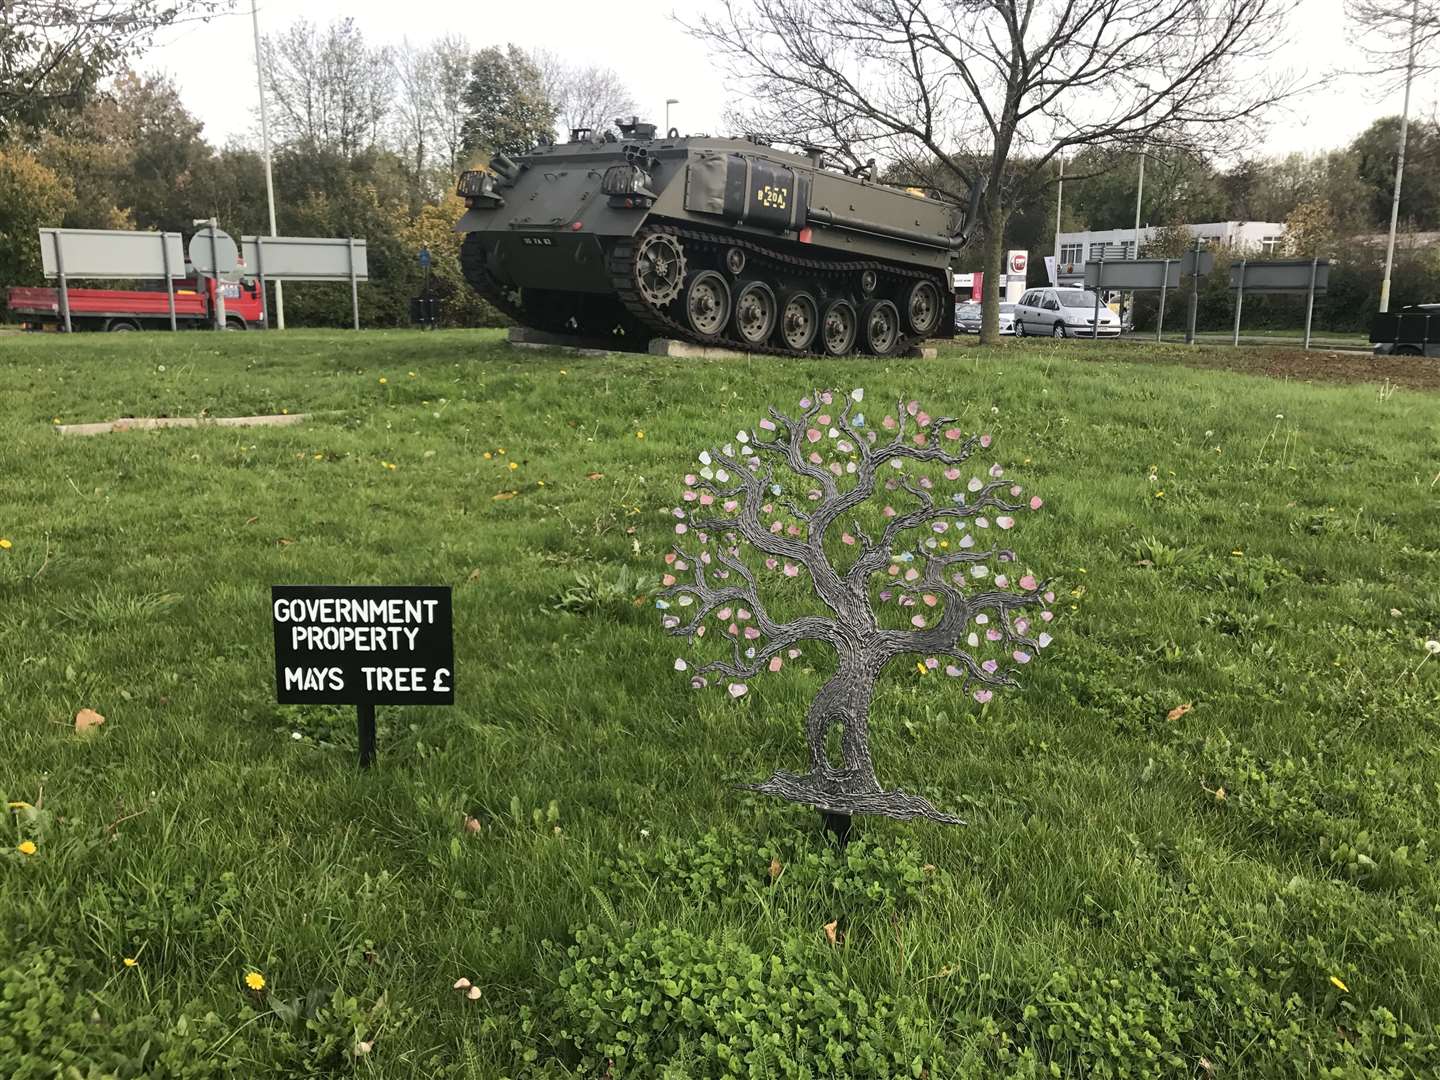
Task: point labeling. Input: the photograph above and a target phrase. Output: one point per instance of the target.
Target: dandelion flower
(255, 981)
(639, 434)
(26, 847)
(130, 961)
(1335, 982)
(1432, 647)
(514, 465)
(5, 545)
(383, 380)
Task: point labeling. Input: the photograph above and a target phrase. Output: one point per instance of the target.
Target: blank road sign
(210, 255)
(1281, 275)
(305, 258)
(1133, 274)
(111, 253)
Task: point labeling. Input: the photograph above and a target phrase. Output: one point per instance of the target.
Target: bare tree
(332, 91)
(52, 54)
(1396, 34)
(451, 56)
(584, 97)
(887, 528)
(991, 91)
(415, 120)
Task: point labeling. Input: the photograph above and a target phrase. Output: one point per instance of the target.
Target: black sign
(363, 645)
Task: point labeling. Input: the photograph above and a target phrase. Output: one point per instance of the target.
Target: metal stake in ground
(1194, 294)
(365, 717)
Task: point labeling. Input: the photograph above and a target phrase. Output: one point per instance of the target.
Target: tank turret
(719, 241)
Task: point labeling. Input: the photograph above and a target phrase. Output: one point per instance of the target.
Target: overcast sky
(214, 63)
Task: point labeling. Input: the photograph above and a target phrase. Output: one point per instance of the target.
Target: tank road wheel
(707, 304)
(923, 308)
(735, 261)
(868, 281)
(837, 328)
(754, 313)
(659, 269)
(879, 327)
(799, 321)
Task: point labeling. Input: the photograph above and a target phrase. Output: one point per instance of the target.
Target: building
(1073, 249)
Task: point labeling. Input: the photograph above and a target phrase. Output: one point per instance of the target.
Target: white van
(1063, 313)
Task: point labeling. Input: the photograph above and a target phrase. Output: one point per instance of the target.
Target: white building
(1265, 239)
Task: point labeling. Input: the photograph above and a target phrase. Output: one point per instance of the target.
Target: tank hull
(712, 240)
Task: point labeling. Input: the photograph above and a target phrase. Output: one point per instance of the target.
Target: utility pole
(668, 102)
(265, 142)
(1139, 194)
(1059, 201)
(1400, 159)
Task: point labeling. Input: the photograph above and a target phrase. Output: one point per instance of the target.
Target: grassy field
(1202, 839)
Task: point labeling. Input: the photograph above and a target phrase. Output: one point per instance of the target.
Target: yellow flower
(1237, 552)
(500, 449)
(564, 372)
(383, 380)
(284, 412)
(514, 465)
(130, 961)
(5, 545)
(17, 806)
(26, 847)
(1159, 494)
(919, 667)
(319, 457)
(1335, 982)
(390, 466)
(255, 981)
(639, 434)
(412, 374)
(487, 455)
(56, 420)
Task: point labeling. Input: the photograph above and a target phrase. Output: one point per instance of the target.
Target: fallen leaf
(1179, 711)
(473, 993)
(835, 935)
(775, 869)
(251, 520)
(472, 824)
(86, 719)
(928, 868)
(595, 476)
(501, 496)
(284, 541)
(1219, 794)
(474, 575)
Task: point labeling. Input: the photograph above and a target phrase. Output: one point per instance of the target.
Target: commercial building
(1264, 239)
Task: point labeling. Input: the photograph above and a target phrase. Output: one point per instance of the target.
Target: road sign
(1281, 275)
(1132, 274)
(306, 258)
(213, 251)
(1188, 260)
(363, 645)
(424, 258)
(110, 253)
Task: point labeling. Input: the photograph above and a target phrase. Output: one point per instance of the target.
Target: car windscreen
(1076, 298)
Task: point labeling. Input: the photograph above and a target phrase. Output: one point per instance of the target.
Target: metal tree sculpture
(921, 586)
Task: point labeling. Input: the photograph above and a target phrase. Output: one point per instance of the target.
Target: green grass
(1135, 896)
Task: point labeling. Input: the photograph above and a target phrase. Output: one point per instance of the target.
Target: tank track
(715, 244)
(637, 318)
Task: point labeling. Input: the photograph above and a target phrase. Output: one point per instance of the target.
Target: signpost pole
(219, 294)
(1239, 303)
(1164, 285)
(1099, 283)
(1310, 300)
(260, 274)
(169, 282)
(354, 288)
(64, 286)
(1194, 294)
(365, 715)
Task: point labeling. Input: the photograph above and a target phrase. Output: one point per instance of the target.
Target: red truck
(138, 309)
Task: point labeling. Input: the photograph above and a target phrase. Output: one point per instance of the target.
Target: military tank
(625, 237)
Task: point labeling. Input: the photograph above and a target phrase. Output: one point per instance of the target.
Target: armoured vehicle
(719, 241)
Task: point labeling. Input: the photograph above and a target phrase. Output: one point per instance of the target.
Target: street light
(668, 102)
(265, 142)
(1400, 160)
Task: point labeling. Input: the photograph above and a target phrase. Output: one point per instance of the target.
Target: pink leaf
(847, 538)
(689, 479)
(888, 423)
(699, 682)
(1043, 640)
(952, 433)
(768, 425)
(723, 614)
(1005, 522)
(770, 564)
(1002, 581)
(794, 654)
(985, 440)
(737, 689)
(922, 418)
(967, 541)
(931, 663)
(940, 526)
(680, 664)
(669, 622)
(668, 579)
(912, 407)
(983, 696)
(1036, 503)
(791, 570)
(975, 484)
(1049, 598)
(813, 435)
(730, 504)
(824, 418)
(911, 574)
(952, 474)
(1021, 657)
(670, 558)
(952, 671)
(776, 663)
(991, 666)
(742, 615)
(930, 599)
(751, 633)
(682, 528)
(1028, 583)
(992, 634)
(888, 512)
(917, 620)
(1047, 615)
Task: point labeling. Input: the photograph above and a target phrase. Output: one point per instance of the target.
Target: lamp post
(265, 142)
(1400, 160)
(668, 102)
(1139, 194)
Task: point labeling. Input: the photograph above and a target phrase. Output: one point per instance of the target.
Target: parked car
(1063, 313)
(967, 318)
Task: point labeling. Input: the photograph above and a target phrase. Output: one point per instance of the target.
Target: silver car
(1063, 313)
(967, 318)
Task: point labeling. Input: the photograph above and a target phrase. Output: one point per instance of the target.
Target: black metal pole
(1194, 293)
(365, 714)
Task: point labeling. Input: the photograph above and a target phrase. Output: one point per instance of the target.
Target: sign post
(1099, 284)
(1239, 302)
(1160, 316)
(1308, 276)
(363, 645)
(64, 286)
(1194, 293)
(1310, 301)
(354, 288)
